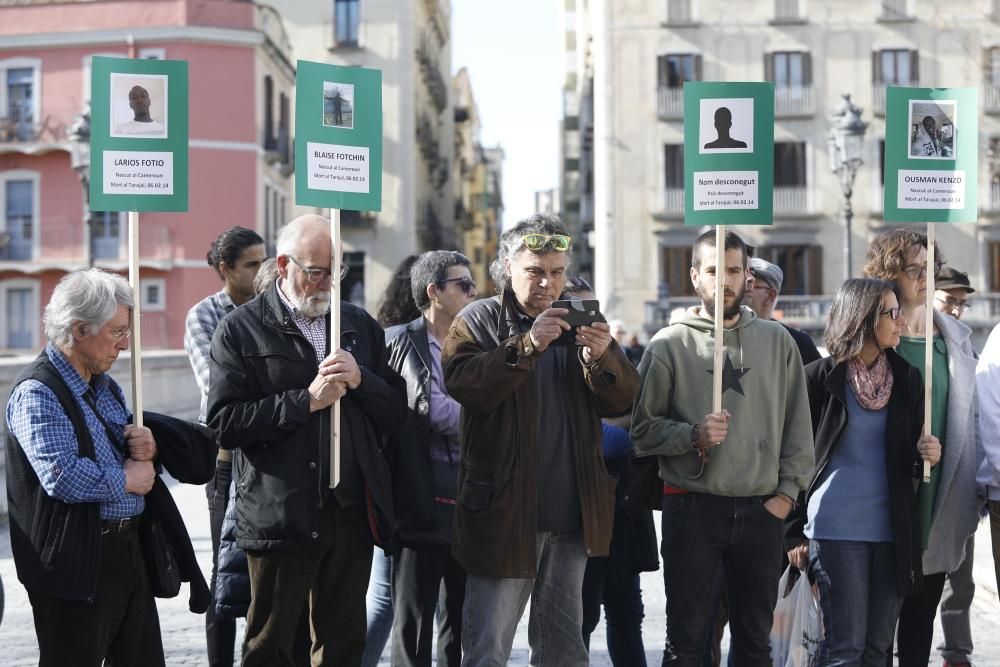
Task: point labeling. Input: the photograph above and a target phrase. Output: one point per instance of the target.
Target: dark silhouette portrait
(723, 123)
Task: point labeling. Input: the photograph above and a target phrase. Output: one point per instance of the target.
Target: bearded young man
(730, 478)
(273, 380)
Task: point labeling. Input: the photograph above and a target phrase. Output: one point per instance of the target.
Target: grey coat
(957, 504)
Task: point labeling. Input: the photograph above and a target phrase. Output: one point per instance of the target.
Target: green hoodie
(769, 447)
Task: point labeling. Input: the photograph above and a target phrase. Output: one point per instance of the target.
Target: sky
(513, 51)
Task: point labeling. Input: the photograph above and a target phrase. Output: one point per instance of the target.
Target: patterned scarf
(872, 386)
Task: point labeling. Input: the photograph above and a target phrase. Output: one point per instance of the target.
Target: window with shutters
(896, 67)
(675, 270)
(893, 67)
(672, 70)
(791, 72)
(791, 194)
(801, 264)
(673, 170)
(676, 68)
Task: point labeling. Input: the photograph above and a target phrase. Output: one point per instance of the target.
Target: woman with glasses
(859, 512)
(948, 504)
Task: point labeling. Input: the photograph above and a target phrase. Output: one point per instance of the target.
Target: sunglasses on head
(467, 285)
(537, 242)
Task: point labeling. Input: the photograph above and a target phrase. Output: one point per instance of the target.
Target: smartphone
(582, 312)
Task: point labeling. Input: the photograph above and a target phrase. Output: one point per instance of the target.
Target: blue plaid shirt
(202, 320)
(46, 434)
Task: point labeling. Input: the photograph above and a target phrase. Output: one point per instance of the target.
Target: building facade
(477, 178)
(576, 140)
(411, 43)
(241, 79)
(642, 52)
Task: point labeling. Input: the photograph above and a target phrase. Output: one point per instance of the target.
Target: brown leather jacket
(495, 519)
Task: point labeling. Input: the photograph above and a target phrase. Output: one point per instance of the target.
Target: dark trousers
(701, 534)
(622, 599)
(425, 577)
(220, 631)
(120, 627)
(331, 575)
(915, 631)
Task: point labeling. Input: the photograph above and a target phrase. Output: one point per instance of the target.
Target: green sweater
(769, 447)
(912, 349)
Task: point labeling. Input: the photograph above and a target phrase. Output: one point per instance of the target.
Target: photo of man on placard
(338, 105)
(932, 129)
(139, 105)
(726, 125)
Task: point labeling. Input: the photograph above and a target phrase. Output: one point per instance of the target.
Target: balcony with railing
(680, 12)
(992, 203)
(671, 205)
(991, 97)
(791, 101)
(60, 244)
(878, 94)
(669, 103)
(789, 11)
(792, 200)
(17, 129)
(894, 10)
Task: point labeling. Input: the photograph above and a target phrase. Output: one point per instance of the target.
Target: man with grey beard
(273, 380)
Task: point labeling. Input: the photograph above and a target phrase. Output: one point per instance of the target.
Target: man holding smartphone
(534, 499)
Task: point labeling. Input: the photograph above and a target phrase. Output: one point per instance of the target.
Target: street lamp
(79, 158)
(845, 143)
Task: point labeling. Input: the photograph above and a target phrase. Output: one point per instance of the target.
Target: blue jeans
(494, 606)
(857, 593)
(702, 534)
(379, 605)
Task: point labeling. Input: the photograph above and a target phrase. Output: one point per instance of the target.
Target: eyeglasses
(951, 303)
(120, 334)
(467, 285)
(316, 276)
(537, 242)
(893, 313)
(915, 272)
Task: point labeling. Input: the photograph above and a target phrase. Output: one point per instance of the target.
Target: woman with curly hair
(948, 504)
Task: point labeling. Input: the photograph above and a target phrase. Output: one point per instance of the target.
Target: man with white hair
(77, 474)
(273, 380)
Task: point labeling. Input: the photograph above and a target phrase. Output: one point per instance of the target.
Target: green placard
(728, 153)
(338, 137)
(139, 135)
(931, 154)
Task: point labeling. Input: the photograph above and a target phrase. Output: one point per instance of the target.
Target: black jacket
(57, 545)
(258, 402)
(418, 517)
(826, 381)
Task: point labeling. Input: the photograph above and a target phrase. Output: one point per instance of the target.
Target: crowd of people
(492, 454)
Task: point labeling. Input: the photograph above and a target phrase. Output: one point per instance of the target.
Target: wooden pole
(136, 342)
(720, 306)
(335, 341)
(929, 343)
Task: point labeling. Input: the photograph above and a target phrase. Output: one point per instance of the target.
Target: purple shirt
(445, 412)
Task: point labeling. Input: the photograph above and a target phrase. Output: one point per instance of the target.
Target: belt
(120, 525)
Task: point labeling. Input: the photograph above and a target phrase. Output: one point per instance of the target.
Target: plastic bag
(797, 629)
